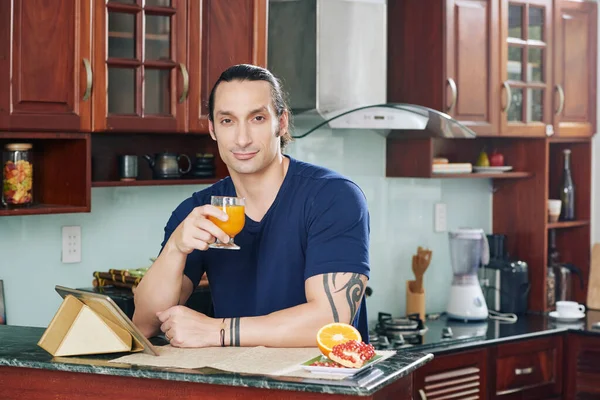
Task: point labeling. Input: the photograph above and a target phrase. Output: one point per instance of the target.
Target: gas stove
(397, 333)
(410, 331)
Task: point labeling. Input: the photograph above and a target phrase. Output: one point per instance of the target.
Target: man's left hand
(185, 327)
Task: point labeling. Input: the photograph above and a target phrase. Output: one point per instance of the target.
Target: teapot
(166, 165)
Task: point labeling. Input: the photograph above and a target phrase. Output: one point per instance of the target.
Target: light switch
(440, 217)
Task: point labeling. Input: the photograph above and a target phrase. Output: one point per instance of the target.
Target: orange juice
(235, 223)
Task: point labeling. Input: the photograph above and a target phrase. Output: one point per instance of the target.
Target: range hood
(331, 56)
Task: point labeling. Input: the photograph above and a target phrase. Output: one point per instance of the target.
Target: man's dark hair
(246, 72)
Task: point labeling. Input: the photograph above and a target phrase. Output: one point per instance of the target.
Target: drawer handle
(186, 82)
(88, 79)
(523, 371)
(454, 90)
(422, 394)
(508, 96)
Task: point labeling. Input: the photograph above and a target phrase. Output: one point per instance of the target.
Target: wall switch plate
(440, 217)
(71, 244)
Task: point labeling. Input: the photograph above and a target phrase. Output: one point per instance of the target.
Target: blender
(468, 251)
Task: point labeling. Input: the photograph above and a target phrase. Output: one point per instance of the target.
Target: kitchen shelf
(567, 224)
(156, 182)
(42, 209)
(504, 175)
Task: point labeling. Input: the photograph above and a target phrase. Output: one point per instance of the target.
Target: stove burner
(397, 333)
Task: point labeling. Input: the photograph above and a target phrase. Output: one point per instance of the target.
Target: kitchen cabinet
(444, 55)
(45, 65)
(456, 376)
(221, 34)
(526, 67)
(575, 48)
(141, 77)
(582, 367)
(529, 369)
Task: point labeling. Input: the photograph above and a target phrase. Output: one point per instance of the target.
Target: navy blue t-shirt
(318, 223)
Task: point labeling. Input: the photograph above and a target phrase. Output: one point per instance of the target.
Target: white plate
(492, 169)
(574, 317)
(335, 370)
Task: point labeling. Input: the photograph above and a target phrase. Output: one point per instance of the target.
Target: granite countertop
(18, 348)
(477, 334)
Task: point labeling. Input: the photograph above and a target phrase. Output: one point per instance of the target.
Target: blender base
(467, 303)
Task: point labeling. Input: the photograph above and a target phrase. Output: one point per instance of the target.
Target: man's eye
(225, 121)
(259, 118)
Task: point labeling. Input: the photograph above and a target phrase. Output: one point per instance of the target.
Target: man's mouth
(244, 155)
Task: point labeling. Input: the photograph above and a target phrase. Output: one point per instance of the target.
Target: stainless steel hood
(331, 56)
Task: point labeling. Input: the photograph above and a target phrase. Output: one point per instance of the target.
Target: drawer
(524, 371)
(529, 368)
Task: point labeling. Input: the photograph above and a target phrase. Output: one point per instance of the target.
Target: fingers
(207, 226)
(208, 210)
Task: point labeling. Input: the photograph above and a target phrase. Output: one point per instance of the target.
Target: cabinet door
(529, 369)
(526, 67)
(142, 78)
(582, 367)
(45, 71)
(472, 74)
(457, 376)
(575, 51)
(222, 34)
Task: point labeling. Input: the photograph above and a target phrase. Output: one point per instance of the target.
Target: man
(304, 258)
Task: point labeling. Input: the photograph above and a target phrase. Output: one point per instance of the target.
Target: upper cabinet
(444, 55)
(526, 67)
(520, 68)
(229, 32)
(45, 65)
(575, 49)
(121, 65)
(141, 77)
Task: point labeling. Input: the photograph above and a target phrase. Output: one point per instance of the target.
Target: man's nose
(243, 138)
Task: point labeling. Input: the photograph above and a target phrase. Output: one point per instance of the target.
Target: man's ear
(283, 122)
(211, 130)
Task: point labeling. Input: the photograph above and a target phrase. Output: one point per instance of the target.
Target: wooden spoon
(420, 262)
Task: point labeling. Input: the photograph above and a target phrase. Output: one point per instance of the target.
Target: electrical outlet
(440, 217)
(71, 244)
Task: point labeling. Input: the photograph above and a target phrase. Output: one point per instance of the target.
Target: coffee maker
(505, 282)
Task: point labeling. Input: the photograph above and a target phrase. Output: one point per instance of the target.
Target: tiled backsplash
(126, 225)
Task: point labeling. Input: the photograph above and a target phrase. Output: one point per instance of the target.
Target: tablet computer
(104, 306)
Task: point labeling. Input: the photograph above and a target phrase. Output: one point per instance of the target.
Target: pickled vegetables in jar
(17, 175)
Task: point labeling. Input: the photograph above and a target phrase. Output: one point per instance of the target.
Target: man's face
(246, 126)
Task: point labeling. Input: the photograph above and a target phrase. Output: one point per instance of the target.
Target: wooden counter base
(36, 384)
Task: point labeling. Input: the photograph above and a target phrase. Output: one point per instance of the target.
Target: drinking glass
(235, 209)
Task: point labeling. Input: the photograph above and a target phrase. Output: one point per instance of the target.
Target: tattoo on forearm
(354, 288)
(234, 332)
(336, 317)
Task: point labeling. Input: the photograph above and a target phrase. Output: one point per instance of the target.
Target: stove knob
(447, 332)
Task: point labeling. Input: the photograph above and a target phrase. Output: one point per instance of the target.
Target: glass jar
(17, 175)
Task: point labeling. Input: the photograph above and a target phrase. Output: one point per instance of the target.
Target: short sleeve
(338, 230)
(194, 268)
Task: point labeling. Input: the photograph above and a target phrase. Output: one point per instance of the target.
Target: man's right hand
(196, 231)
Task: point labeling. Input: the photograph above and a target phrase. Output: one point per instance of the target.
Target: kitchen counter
(24, 366)
(466, 335)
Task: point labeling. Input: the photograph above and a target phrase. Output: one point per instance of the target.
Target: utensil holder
(415, 302)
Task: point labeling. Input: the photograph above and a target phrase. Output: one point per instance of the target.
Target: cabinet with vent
(459, 376)
(582, 361)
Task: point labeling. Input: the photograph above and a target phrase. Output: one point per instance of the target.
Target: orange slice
(335, 333)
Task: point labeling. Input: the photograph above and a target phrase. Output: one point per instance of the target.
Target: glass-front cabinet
(140, 60)
(526, 68)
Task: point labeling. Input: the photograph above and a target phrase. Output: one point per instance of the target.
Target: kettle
(166, 165)
(563, 280)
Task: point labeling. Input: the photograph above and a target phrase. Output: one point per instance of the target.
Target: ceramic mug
(569, 308)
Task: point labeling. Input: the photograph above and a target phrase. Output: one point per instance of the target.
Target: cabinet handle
(88, 79)
(422, 394)
(523, 371)
(186, 83)
(508, 95)
(561, 96)
(454, 90)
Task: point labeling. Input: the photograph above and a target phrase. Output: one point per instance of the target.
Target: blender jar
(17, 175)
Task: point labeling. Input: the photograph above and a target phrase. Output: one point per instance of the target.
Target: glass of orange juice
(235, 209)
